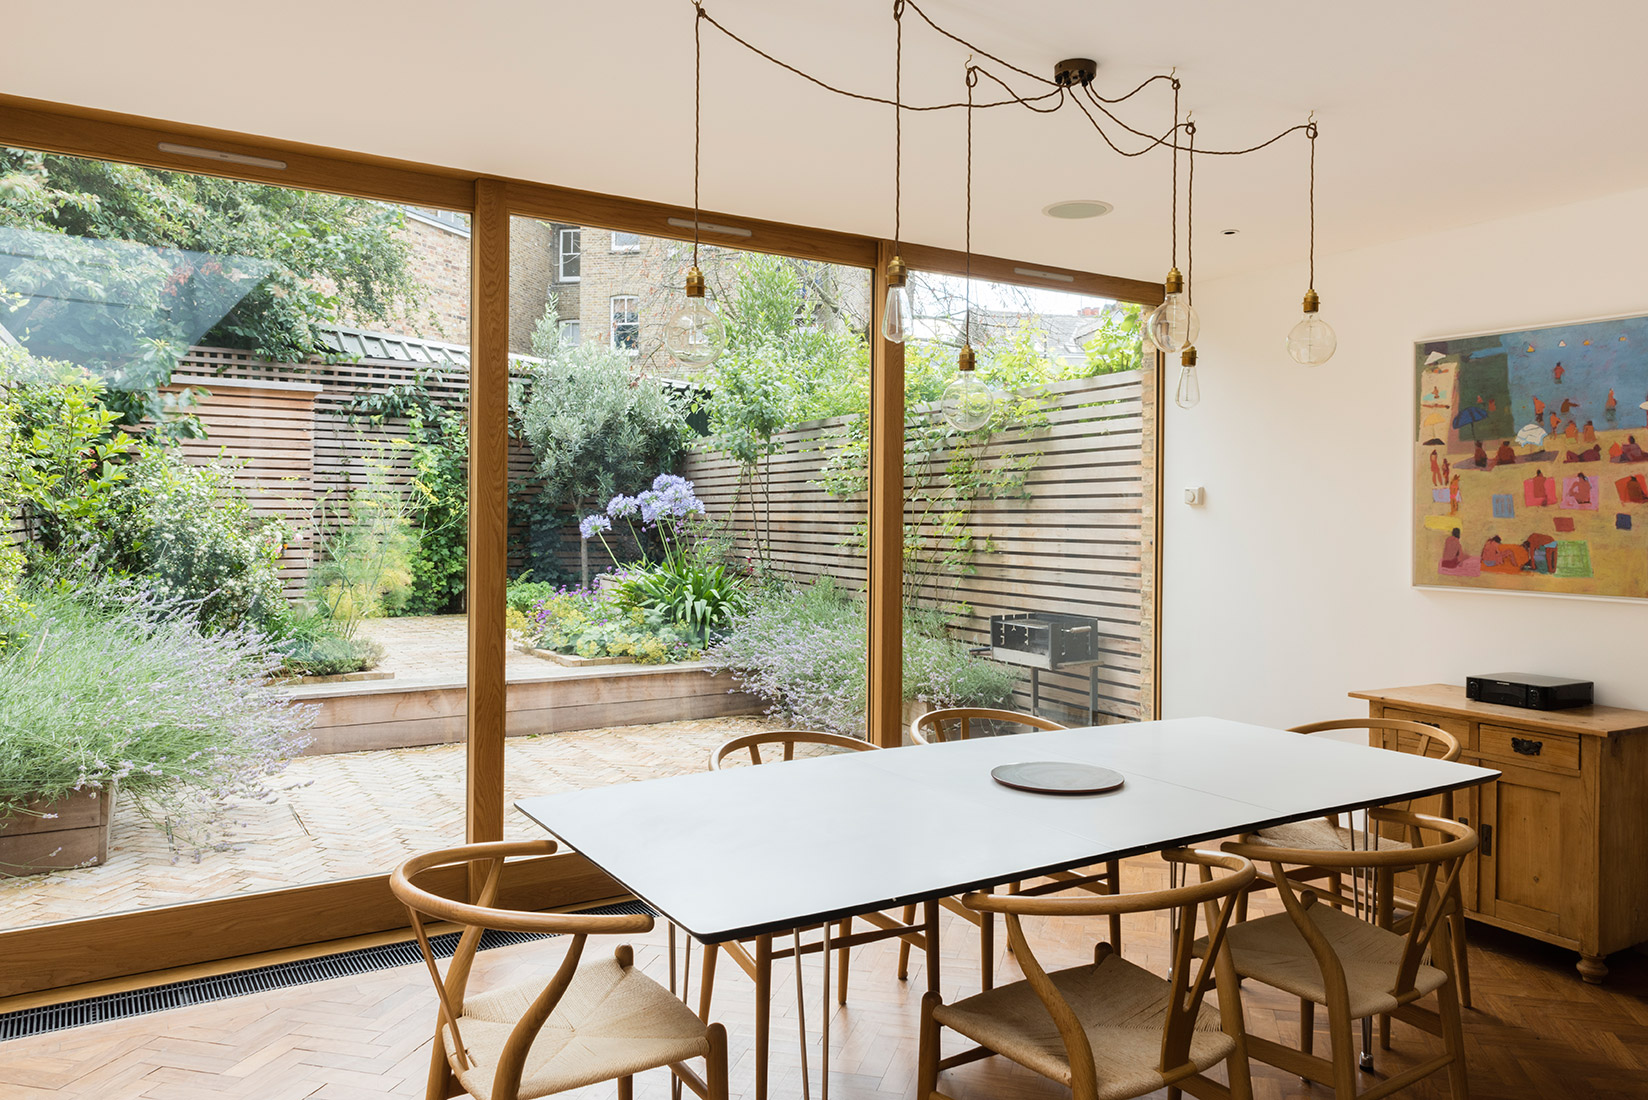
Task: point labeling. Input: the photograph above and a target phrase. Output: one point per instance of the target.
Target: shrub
(192, 534)
(313, 647)
(366, 548)
(701, 598)
(604, 624)
(128, 689)
(803, 650)
(524, 594)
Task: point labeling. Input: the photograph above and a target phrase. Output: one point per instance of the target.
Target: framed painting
(1530, 468)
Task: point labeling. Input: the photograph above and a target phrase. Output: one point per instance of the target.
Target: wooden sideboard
(1564, 830)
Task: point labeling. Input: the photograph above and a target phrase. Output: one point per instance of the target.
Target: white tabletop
(735, 853)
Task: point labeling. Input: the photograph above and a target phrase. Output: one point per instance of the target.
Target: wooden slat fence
(1081, 543)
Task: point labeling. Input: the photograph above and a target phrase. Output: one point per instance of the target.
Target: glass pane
(1028, 523)
(232, 438)
(641, 487)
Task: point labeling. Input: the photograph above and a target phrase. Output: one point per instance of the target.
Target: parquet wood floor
(1536, 1031)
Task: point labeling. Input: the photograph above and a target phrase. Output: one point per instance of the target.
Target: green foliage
(280, 261)
(17, 618)
(365, 550)
(313, 647)
(604, 624)
(597, 427)
(61, 459)
(192, 534)
(1116, 345)
(523, 593)
(115, 688)
(802, 648)
(702, 598)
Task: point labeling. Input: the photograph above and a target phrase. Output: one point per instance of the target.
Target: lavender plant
(120, 688)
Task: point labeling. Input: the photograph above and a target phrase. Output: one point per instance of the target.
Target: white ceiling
(1434, 113)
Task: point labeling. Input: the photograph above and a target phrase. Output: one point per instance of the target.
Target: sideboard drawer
(1556, 750)
(1460, 728)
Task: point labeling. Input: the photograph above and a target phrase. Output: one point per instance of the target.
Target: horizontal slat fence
(1080, 543)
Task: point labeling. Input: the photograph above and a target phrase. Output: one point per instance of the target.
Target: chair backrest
(1437, 862)
(1434, 742)
(459, 865)
(1214, 895)
(955, 723)
(789, 739)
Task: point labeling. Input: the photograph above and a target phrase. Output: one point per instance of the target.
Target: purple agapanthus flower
(620, 506)
(590, 526)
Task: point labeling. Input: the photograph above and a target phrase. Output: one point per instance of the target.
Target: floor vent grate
(262, 979)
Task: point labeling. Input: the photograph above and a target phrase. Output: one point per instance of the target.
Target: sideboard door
(1532, 854)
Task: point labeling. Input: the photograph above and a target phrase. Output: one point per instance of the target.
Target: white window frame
(634, 311)
(574, 328)
(631, 245)
(576, 235)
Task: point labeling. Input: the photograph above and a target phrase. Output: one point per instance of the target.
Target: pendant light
(1312, 341)
(1173, 325)
(694, 334)
(968, 403)
(895, 317)
(1188, 393)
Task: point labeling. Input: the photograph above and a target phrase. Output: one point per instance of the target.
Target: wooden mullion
(950, 261)
(488, 511)
(885, 565)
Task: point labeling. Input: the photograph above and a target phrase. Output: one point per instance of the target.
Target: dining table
(745, 852)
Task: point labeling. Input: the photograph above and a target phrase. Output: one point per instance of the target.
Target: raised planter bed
(340, 678)
(572, 660)
(54, 836)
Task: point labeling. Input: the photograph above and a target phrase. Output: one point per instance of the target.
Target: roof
(354, 343)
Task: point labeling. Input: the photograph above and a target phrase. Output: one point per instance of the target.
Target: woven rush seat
(1123, 1009)
(1273, 950)
(611, 1022)
(1323, 834)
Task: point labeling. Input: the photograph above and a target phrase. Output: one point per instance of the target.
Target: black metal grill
(262, 979)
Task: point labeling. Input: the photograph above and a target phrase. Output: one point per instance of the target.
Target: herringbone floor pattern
(352, 814)
(1536, 1031)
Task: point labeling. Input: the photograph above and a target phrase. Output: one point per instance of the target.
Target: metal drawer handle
(1526, 746)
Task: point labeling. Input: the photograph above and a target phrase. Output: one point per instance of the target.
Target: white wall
(1291, 585)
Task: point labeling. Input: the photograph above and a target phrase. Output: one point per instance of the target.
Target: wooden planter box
(77, 836)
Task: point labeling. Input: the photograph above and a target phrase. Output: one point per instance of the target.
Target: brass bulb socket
(1312, 302)
(897, 273)
(1187, 357)
(1174, 283)
(964, 361)
(695, 283)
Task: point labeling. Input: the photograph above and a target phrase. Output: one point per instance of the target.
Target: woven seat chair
(956, 724)
(1326, 956)
(602, 1021)
(779, 746)
(1112, 1029)
(1330, 833)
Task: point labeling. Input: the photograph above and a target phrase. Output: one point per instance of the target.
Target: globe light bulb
(694, 334)
(1188, 394)
(967, 403)
(1173, 325)
(1312, 341)
(895, 318)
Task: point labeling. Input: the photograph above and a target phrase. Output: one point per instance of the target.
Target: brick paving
(353, 814)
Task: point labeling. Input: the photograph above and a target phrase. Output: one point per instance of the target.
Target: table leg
(930, 919)
(801, 1016)
(763, 1011)
(824, 1021)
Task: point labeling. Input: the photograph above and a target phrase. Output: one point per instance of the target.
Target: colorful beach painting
(1531, 460)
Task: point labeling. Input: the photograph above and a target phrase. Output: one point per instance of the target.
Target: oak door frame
(112, 946)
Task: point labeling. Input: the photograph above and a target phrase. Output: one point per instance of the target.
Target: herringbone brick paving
(353, 814)
(1537, 1032)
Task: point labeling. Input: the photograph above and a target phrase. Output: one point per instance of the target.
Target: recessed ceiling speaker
(1077, 208)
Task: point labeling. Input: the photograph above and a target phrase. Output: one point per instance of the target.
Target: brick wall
(532, 260)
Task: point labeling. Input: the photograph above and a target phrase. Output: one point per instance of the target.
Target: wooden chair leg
(443, 1083)
(1384, 1033)
(715, 1066)
(706, 982)
(1307, 1025)
(1453, 1040)
(909, 917)
(1461, 960)
(843, 930)
(1344, 1052)
(763, 1012)
(927, 1051)
(626, 1088)
(930, 915)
